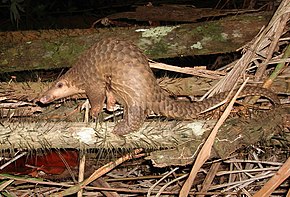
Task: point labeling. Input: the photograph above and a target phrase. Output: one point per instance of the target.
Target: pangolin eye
(59, 85)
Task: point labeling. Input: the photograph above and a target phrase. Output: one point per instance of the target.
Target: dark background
(58, 14)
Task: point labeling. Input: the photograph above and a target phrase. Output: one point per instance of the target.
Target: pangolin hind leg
(134, 116)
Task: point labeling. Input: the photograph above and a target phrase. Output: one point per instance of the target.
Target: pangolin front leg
(96, 98)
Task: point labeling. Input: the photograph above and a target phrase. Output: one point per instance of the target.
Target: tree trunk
(47, 49)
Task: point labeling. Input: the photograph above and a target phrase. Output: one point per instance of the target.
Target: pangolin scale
(117, 70)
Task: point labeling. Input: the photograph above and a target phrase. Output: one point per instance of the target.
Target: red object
(52, 162)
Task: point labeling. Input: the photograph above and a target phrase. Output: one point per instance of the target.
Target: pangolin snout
(46, 99)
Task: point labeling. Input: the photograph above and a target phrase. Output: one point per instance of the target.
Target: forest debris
(100, 172)
(257, 50)
(209, 177)
(280, 176)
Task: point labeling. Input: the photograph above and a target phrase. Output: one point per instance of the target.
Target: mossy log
(47, 49)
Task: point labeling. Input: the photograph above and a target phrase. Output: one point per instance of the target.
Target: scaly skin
(118, 70)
